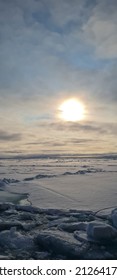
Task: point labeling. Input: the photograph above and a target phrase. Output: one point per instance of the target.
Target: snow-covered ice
(58, 200)
(63, 182)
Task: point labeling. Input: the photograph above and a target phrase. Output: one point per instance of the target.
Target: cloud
(82, 141)
(85, 129)
(100, 29)
(65, 12)
(6, 136)
(47, 47)
(108, 83)
(75, 126)
(10, 152)
(45, 143)
(60, 142)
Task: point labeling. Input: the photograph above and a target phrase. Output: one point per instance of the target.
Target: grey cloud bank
(6, 136)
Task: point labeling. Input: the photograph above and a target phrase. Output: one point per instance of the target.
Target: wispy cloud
(102, 128)
(100, 29)
(6, 136)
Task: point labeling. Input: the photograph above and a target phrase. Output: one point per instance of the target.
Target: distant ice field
(61, 182)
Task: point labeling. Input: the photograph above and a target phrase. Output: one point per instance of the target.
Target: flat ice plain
(61, 182)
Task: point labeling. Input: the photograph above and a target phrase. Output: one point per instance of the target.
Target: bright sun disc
(72, 110)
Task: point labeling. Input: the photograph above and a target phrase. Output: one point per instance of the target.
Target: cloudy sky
(52, 51)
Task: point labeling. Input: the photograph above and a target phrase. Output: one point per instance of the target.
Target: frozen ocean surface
(67, 182)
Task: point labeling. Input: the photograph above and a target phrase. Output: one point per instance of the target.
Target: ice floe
(101, 231)
(114, 217)
(28, 232)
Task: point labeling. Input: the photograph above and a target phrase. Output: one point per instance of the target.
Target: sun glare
(71, 110)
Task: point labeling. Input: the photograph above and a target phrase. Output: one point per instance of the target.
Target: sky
(52, 51)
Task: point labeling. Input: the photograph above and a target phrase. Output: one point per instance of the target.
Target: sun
(72, 110)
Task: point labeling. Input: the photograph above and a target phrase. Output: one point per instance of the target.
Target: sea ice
(61, 243)
(71, 227)
(101, 231)
(114, 217)
(15, 240)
